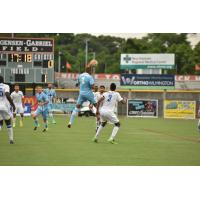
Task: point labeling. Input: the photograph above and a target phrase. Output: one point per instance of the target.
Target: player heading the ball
(86, 83)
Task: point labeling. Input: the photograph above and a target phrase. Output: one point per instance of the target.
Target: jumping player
(50, 92)
(106, 112)
(86, 83)
(42, 109)
(17, 97)
(5, 108)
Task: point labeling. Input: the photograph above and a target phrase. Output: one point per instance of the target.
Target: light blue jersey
(43, 110)
(51, 93)
(86, 81)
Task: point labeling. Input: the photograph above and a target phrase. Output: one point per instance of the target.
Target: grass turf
(141, 142)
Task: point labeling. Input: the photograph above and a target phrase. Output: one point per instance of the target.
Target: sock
(114, 132)
(21, 118)
(98, 123)
(199, 123)
(98, 131)
(10, 132)
(73, 115)
(51, 116)
(14, 120)
(36, 122)
(46, 125)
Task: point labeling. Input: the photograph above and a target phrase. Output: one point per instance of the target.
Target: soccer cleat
(14, 125)
(35, 128)
(69, 125)
(45, 130)
(95, 140)
(11, 142)
(112, 141)
(21, 124)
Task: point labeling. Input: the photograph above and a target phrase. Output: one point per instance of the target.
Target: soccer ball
(93, 63)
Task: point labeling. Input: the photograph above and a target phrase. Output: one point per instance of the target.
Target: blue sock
(73, 115)
(36, 122)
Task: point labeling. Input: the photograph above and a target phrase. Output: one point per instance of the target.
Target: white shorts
(106, 115)
(19, 109)
(5, 115)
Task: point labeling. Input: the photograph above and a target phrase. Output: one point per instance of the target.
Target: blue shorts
(86, 97)
(42, 111)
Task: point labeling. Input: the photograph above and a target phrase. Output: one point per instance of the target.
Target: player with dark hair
(5, 113)
(106, 112)
(42, 109)
(17, 97)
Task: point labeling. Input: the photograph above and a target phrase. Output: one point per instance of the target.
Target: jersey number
(109, 98)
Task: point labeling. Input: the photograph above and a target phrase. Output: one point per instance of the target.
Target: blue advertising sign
(147, 81)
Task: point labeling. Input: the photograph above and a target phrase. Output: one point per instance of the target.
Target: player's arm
(98, 104)
(78, 81)
(10, 100)
(22, 99)
(121, 100)
(92, 82)
(46, 100)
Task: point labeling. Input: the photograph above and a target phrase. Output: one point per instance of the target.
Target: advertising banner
(142, 108)
(147, 61)
(147, 81)
(179, 109)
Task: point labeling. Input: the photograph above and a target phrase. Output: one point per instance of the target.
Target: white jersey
(110, 101)
(96, 94)
(17, 97)
(4, 104)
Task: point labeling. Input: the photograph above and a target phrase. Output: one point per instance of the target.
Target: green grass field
(141, 142)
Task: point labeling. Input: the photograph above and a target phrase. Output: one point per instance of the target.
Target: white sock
(21, 118)
(98, 131)
(10, 132)
(199, 123)
(14, 119)
(114, 132)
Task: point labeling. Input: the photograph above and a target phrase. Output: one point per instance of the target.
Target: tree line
(107, 50)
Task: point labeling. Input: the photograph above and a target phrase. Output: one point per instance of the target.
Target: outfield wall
(160, 95)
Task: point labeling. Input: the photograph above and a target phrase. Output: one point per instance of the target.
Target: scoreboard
(27, 60)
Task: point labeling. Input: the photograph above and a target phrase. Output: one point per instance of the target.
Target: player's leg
(113, 118)
(75, 111)
(45, 117)
(102, 125)
(35, 118)
(1, 122)
(50, 107)
(9, 127)
(199, 125)
(14, 116)
(21, 111)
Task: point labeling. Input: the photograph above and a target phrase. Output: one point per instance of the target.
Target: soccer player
(86, 83)
(106, 112)
(97, 96)
(42, 109)
(50, 92)
(17, 97)
(5, 108)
